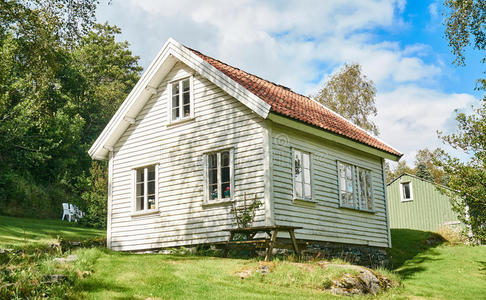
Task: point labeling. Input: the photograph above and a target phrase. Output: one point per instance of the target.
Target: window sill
(370, 211)
(145, 212)
(406, 200)
(181, 121)
(217, 202)
(304, 201)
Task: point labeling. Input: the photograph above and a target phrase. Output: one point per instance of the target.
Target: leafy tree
(351, 94)
(399, 169)
(427, 168)
(62, 77)
(422, 172)
(465, 25)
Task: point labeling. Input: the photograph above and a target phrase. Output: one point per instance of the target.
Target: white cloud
(410, 116)
(298, 43)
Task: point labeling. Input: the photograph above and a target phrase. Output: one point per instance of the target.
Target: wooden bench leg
(225, 254)
(268, 257)
(294, 243)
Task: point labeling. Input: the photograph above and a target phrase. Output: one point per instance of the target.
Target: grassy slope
(15, 232)
(432, 269)
(428, 269)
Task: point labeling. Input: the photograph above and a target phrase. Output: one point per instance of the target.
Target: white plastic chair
(66, 211)
(72, 211)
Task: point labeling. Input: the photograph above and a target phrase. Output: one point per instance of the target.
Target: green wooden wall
(428, 210)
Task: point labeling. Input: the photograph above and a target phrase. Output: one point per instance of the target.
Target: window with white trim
(145, 188)
(219, 175)
(406, 191)
(355, 187)
(181, 99)
(302, 175)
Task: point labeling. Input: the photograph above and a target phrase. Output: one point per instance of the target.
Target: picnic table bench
(269, 242)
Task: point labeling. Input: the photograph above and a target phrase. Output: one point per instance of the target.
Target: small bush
(454, 235)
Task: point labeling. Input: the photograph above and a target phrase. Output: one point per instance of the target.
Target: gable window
(406, 191)
(219, 175)
(181, 99)
(302, 175)
(355, 187)
(145, 188)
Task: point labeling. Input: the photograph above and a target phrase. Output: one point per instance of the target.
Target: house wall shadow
(411, 248)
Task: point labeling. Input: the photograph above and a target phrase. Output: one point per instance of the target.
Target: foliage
(244, 214)
(62, 78)
(425, 167)
(95, 195)
(465, 26)
(351, 94)
(28, 261)
(399, 169)
(467, 178)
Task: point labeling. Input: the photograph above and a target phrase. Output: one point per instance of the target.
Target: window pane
(139, 204)
(298, 189)
(213, 176)
(187, 111)
(175, 113)
(298, 166)
(140, 191)
(151, 202)
(175, 88)
(186, 98)
(307, 191)
(151, 173)
(213, 191)
(151, 187)
(185, 85)
(140, 175)
(307, 176)
(175, 101)
(225, 159)
(212, 161)
(306, 160)
(225, 189)
(406, 190)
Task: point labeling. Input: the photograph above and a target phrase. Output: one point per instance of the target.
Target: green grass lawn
(15, 232)
(427, 267)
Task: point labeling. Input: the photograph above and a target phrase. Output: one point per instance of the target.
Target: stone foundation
(356, 254)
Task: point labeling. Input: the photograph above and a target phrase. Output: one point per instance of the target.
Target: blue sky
(400, 45)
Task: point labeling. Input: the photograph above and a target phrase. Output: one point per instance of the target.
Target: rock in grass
(54, 279)
(365, 282)
(68, 259)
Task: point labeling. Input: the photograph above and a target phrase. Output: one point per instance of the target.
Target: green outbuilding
(415, 203)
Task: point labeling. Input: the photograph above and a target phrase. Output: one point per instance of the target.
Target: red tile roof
(290, 104)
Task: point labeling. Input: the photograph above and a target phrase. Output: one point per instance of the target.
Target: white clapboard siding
(183, 219)
(324, 220)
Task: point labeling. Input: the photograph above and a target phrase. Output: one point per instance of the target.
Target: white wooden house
(195, 134)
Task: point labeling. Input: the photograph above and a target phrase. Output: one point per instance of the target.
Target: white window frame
(181, 100)
(402, 194)
(295, 197)
(358, 169)
(220, 199)
(146, 210)
(356, 205)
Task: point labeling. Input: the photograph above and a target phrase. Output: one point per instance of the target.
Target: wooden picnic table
(269, 242)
